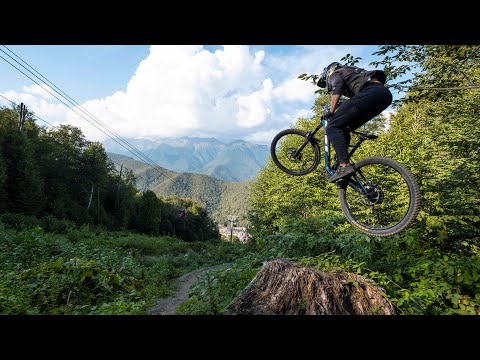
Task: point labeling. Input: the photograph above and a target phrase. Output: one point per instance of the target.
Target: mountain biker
(368, 97)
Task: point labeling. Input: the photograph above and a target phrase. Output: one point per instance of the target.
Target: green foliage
(87, 270)
(53, 225)
(75, 286)
(439, 71)
(427, 285)
(18, 221)
(3, 180)
(23, 185)
(432, 267)
(217, 288)
(149, 215)
(59, 176)
(350, 60)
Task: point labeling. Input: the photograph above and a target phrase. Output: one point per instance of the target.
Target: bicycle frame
(354, 182)
(361, 193)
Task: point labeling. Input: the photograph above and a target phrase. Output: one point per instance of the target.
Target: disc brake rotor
(374, 195)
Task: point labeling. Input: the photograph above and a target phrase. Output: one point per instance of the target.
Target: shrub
(19, 221)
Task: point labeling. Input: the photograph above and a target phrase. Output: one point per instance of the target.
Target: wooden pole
(21, 117)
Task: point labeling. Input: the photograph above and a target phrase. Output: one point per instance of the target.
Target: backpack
(378, 74)
(367, 76)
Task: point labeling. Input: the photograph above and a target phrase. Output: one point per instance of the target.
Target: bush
(56, 226)
(217, 288)
(75, 286)
(87, 270)
(19, 221)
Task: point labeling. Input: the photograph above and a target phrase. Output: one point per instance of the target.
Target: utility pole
(23, 114)
(231, 218)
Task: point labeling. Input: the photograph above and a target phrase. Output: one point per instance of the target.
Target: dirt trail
(168, 306)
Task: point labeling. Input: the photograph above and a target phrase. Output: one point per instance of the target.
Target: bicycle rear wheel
(284, 151)
(382, 197)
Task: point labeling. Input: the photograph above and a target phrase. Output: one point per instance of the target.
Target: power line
(68, 106)
(39, 118)
(45, 121)
(473, 86)
(137, 176)
(7, 99)
(72, 101)
(71, 108)
(35, 116)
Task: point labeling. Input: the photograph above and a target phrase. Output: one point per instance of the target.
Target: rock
(283, 287)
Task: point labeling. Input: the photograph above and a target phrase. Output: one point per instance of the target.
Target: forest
(220, 198)
(431, 268)
(77, 237)
(88, 242)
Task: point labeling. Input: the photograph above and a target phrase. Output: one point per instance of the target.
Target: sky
(228, 92)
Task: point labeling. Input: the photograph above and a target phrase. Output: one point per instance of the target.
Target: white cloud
(54, 113)
(255, 108)
(263, 137)
(232, 92)
(183, 90)
(43, 91)
(310, 59)
(295, 90)
(259, 56)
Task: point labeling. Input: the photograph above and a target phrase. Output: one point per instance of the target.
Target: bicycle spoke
(387, 200)
(288, 146)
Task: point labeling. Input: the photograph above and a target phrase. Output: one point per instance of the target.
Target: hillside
(234, 161)
(222, 198)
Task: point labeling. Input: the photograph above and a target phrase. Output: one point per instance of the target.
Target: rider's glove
(327, 114)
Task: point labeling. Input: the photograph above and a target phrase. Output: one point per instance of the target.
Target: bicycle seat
(366, 136)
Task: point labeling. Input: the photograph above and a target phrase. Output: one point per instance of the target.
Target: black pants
(353, 113)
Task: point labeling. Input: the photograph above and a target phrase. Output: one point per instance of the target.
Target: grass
(85, 270)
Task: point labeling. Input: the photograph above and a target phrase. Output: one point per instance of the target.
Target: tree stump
(286, 288)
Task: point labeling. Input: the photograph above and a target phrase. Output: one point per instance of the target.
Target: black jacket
(348, 81)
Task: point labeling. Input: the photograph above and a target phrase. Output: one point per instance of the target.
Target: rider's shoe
(342, 171)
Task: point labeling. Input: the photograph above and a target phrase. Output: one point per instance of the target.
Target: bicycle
(381, 198)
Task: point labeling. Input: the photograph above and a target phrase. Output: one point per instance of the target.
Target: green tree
(436, 133)
(437, 71)
(61, 156)
(122, 204)
(149, 215)
(95, 169)
(24, 186)
(3, 180)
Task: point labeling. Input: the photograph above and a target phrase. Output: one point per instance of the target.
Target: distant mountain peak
(236, 160)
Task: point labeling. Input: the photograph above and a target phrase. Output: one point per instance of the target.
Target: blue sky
(245, 92)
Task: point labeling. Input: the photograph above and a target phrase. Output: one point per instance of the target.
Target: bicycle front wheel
(293, 154)
(382, 198)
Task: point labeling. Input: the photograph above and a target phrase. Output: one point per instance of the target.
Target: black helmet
(323, 80)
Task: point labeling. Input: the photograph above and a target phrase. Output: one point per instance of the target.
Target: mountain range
(221, 198)
(234, 161)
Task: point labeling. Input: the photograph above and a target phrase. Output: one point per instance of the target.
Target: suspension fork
(326, 142)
